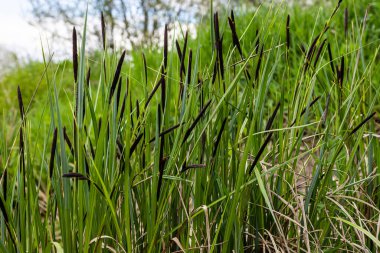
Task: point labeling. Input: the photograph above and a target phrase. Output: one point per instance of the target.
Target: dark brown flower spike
(232, 16)
(361, 124)
(216, 31)
(52, 153)
(192, 126)
(67, 140)
(219, 137)
(330, 58)
(235, 38)
(116, 76)
(137, 109)
(311, 51)
(218, 45)
(341, 72)
(307, 107)
(155, 88)
(178, 47)
(163, 89)
(104, 69)
(317, 56)
(163, 133)
(288, 32)
(221, 62)
(336, 8)
(186, 167)
(166, 46)
(145, 68)
(75, 55)
(259, 63)
(118, 93)
(103, 24)
(75, 175)
(135, 143)
(261, 150)
(271, 119)
(21, 105)
(310, 105)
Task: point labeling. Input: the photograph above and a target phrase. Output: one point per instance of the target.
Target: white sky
(16, 34)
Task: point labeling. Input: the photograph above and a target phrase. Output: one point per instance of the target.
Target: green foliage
(274, 147)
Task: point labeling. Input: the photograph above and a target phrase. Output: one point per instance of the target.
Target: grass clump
(264, 142)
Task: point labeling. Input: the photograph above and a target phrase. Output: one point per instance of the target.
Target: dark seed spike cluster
(319, 52)
(288, 31)
(219, 47)
(75, 55)
(21, 105)
(166, 46)
(340, 72)
(197, 119)
(306, 108)
(145, 68)
(116, 76)
(235, 38)
(330, 58)
(52, 153)
(362, 123)
(103, 25)
(219, 137)
(163, 89)
(189, 65)
(271, 119)
(267, 139)
(259, 63)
